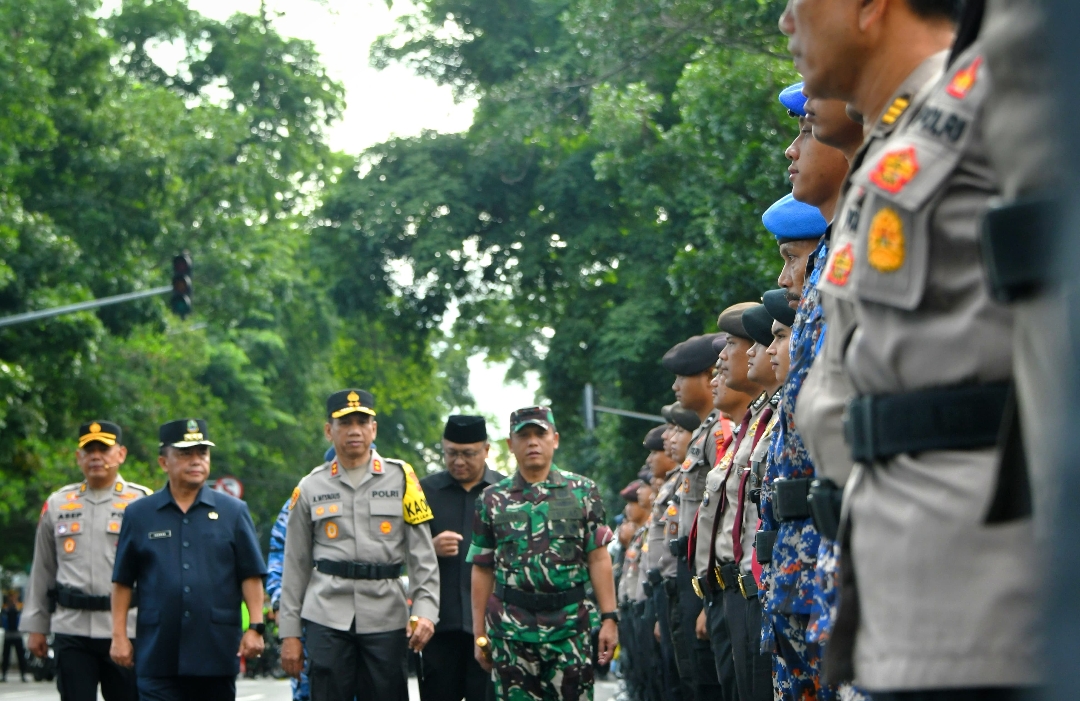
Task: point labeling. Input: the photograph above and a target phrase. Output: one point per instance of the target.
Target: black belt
(825, 500)
(678, 546)
(1016, 242)
(877, 427)
(360, 570)
(540, 601)
(763, 545)
(789, 499)
(638, 607)
(731, 578)
(74, 599)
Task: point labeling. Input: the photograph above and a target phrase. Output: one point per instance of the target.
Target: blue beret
(790, 219)
(792, 98)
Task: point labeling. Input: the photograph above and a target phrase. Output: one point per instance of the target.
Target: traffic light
(180, 302)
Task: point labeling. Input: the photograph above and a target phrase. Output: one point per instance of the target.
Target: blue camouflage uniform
(789, 602)
(301, 691)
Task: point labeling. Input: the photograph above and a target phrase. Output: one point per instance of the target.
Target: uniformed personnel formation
(837, 506)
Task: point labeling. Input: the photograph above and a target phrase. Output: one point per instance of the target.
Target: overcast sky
(380, 104)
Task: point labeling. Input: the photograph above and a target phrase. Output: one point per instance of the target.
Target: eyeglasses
(452, 455)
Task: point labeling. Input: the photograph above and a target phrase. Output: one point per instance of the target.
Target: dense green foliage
(604, 206)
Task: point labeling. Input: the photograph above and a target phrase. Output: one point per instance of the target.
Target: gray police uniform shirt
(924, 319)
(827, 389)
(694, 470)
(331, 519)
(663, 526)
(75, 547)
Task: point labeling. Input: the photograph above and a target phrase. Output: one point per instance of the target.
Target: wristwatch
(610, 616)
(259, 628)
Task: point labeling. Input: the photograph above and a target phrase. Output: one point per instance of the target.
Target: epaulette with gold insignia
(896, 110)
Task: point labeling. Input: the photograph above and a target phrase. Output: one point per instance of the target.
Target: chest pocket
(386, 518)
(511, 533)
(66, 531)
(566, 529)
(326, 509)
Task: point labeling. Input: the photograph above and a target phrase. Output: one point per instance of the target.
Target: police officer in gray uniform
(72, 570)
(355, 524)
(929, 360)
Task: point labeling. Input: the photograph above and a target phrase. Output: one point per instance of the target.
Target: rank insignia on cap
(69, 545)
(331, 530)
(964, 80)
(193, 432)
(294, 498)
(895, 170)
(213, 515)
(896, 110)
(385, 527)
(885, 245)
(840, 266)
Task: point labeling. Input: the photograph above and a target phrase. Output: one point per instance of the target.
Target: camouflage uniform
(537, 538)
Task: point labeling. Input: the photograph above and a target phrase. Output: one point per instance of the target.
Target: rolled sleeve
(599, 533)
(482, 548)
(126, 566)
(249, 557)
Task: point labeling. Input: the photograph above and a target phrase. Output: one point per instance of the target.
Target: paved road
(246, 690)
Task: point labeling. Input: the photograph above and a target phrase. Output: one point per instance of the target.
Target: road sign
(230, 485)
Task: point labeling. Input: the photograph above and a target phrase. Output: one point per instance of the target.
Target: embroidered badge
(294, 498)
(331, 530)
(672, 510)
(213, 515)
(114, 527)
(840, 266)
(127, 495)
(885, 245)
(385, 527)
(73, 496)
(964, 80)
(119, 487)
(376, 467)
(70, 507)
(69, 545)
(895, 170)
(75, 527)
(320, 510)
(334, 508)
(120, 505)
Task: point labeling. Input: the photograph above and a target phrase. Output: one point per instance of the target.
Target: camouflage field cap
(537, 415)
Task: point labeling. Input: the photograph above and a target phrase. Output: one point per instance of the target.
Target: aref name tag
(154, 535)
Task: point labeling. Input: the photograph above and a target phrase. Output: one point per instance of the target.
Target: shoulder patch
(44, 509)
(895, 170)
(964, 80)
(294, 498)
(840, 266)
(414, 505)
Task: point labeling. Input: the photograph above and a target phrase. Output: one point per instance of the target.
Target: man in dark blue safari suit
(194, 556)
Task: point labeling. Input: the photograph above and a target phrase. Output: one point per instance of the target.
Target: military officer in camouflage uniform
(538, 540)
(356, 523)
(72, 571)
(927, 354)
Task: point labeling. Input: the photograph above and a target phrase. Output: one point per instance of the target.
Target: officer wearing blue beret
(194, 556)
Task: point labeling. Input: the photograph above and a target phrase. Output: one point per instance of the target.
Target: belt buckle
(696, 582)
(742, 584)
(719, 577)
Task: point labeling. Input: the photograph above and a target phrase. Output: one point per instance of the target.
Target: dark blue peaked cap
(788, 218)
(792, 97)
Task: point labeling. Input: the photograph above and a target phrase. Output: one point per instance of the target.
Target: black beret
(692, 356)
(718, 342)
(776, 303)
(730, 320)
(654, 439)
(645, 474)
(462, 428)
(758, 324)
(684, 418)
(101, 431)
(665, 411)
(184, 433)
(349, 401)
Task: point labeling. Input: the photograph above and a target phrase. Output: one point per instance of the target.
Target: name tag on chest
(154, 535)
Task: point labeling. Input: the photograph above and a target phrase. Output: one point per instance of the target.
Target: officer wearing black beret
(449, 671)
(194, 556)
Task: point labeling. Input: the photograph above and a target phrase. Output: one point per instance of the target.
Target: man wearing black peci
(449, 672)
